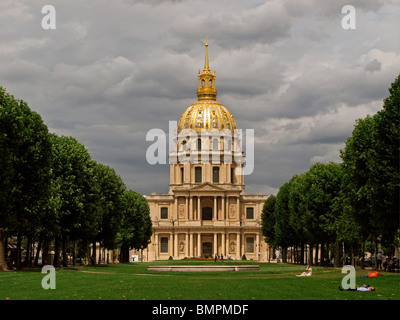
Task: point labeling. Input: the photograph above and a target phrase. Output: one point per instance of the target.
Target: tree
(284, 233)
(268, 221)
(297, 217)
(6, 174)
(371, 171)
(111, 189)
(386, 171)
(25, 138)
(320, 203)
(136, 227)
(76, 191)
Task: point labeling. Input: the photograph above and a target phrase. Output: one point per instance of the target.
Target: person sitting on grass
(364, 287)
(307, 273)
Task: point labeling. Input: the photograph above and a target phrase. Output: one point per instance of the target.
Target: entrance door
(207, 248)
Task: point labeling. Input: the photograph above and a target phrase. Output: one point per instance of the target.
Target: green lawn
(133, 281)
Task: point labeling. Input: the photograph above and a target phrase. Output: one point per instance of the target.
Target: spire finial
(206, 64)
(206, 80)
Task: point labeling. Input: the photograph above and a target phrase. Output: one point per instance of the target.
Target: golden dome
(206, 113)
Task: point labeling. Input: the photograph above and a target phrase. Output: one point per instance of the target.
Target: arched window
(198, 144)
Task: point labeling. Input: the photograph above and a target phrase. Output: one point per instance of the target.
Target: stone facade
(206, 210)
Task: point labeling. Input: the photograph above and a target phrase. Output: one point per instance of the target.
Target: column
(223, 208)
(191, 208)
(198, 244)
(156, 246)
(187, 244)
(176, 209)
(198, 209)
(187, 208)
(238, 208)
(243, 243)
(215, 212)
(176, 252)
(238, 246)
(227, 208)
(258, 246)
(171, 244)
(191, 244)
(227, 244)
(215, 243)
(223, 244)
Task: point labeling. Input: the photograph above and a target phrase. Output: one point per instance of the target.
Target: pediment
(206, 187)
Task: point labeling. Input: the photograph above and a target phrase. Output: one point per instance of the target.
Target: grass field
(134, 282)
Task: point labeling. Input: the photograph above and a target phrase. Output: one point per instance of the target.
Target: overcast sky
(113, 70)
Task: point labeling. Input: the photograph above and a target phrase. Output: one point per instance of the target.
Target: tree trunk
(311, 256)
(87, 253)
(64, 250)
(3, 250)
(45, 253)
(302, 253)
(305, 253)
(19, 253)
(56, 252)
(322, 257)
(93, 258)
(124, 254)
(74, 253)
(28, 251)
(363, 254)
(99, 253)
(337, 253)
(39, 247)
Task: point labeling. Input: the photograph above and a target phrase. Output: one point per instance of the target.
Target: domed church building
(206, 210)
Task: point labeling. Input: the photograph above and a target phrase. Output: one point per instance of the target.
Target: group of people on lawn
(217, 257)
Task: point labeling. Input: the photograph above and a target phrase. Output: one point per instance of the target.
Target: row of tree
(344, 205)
(54, 194)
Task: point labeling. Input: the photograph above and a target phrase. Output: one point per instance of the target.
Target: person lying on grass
(364, 287)
(307, 273)
(372, 274)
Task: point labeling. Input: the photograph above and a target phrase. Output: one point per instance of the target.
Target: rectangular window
(164, 245)
(197, 172)
(215, 174)
(232, 175)
(182, 176)
(249, 213)
(164, 213)
(250, 245)
(199, 144)
(215, 144)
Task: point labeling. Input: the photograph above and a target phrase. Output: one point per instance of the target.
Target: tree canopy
(54, 193)
(351, 202)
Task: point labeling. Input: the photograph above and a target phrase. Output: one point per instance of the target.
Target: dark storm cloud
(112, 71)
